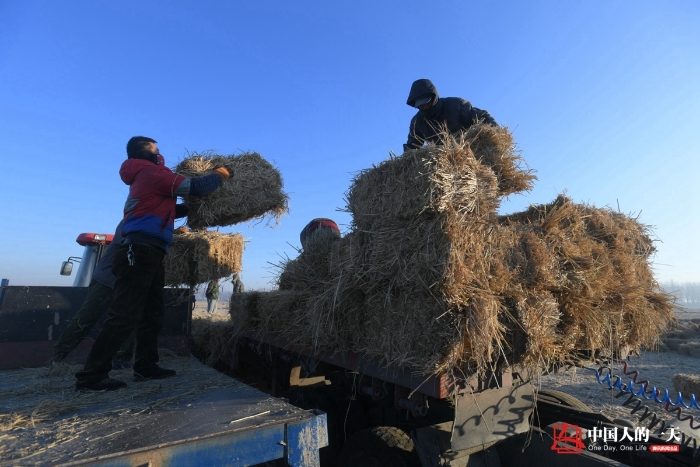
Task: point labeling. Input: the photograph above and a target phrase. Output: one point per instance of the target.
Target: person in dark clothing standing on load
(138, 264)
(99, 297)
(436, 114)
(212, 295)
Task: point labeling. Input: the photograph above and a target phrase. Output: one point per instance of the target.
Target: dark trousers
(138, 304)
(97, 302)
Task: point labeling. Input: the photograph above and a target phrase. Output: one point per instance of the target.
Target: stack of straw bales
(593, 264)
(254, 190)
(198, 257)
(214, 335)
(432, 279)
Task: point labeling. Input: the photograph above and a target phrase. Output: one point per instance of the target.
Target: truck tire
(556, 406)
(379, 447)
(552, 396)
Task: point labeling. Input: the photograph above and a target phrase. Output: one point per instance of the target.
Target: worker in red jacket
(148, 227)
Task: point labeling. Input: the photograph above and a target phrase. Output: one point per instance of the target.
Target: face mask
(149, 156)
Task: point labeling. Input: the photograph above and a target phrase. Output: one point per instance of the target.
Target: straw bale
(278, 310)
(453, 176)
(214, 335)
(243, 308)
(254, 190)
(311, 266)
(435, 294)
(318, 295)
(595, 264)
(690, 348)
(687, 385)
(538, 317)
(430, 279)
(495, 148)
(198, 257)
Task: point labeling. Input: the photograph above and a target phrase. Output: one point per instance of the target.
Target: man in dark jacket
(436, 114)
(99, 297)
(138, 264)
(212, 295)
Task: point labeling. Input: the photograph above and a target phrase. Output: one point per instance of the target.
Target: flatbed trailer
(499, 419)
(196, 418)
(199, 417)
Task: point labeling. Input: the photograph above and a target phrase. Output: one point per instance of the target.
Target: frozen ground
(658, 368)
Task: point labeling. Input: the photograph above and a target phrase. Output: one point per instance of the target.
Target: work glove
(223, 173)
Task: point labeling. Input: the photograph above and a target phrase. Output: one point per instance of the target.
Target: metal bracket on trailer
(482, 419)
(491, 415)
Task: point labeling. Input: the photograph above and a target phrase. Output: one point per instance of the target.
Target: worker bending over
(436, 115)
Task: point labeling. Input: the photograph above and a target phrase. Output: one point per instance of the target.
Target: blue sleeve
(203, 186)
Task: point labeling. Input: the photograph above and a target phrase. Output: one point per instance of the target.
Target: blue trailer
(200, 417)
(165, 424)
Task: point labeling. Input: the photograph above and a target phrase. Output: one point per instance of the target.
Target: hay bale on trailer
(393, 288)
(198, 257)
(466, 175)
(214, 335)
(432, 279)
(253, 191)
(595, 263)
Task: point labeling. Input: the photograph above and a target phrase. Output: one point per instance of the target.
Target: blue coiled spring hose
(642, 392)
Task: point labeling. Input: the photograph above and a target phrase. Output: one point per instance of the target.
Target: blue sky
(602, 98)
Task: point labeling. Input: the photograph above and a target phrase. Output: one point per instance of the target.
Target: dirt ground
(658, 367)
(221, 307)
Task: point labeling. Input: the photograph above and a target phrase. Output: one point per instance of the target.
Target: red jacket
(149, 212)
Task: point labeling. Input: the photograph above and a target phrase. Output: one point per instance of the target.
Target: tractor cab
(95, 245)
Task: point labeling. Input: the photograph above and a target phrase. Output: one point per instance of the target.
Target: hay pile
(687, 385)
(198, 257)
(214, 335)
(254, 190)
(432, 279)
(594, 264)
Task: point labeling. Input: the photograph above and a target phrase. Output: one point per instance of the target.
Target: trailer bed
(438, 386)
(199, 417)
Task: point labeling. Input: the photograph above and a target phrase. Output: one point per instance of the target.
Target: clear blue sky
(603, 99)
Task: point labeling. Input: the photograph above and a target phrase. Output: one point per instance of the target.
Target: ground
(658, 367)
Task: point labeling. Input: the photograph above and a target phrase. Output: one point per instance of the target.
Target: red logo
(568, 439)
(665, 448)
